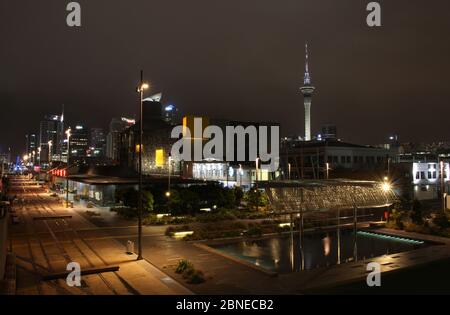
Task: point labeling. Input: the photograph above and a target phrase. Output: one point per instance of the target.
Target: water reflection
(326, 245)
(284, 254)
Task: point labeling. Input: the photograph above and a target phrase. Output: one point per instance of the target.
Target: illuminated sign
(129, 120)
(159, 157)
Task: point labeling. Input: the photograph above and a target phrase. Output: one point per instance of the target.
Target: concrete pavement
(45, 246)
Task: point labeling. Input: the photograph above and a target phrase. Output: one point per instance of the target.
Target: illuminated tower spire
(307, 78)
(307, 90)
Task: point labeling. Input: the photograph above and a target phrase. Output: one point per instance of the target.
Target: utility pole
(443, 194)
(257, 188)
(143, 86)
(68, 165)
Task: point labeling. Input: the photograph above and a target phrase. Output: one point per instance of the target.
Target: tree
(255, 198)
(416, 214)
(238, 195)
(130, 198)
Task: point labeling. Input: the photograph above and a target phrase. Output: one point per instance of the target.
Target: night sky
(237, 59)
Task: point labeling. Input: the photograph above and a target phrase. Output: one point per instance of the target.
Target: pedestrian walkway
(46, 246)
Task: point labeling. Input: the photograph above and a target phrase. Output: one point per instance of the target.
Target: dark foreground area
(432, 278)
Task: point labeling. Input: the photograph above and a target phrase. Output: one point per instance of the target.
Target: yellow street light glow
(25, 157)
(168, 194)
(145, 86)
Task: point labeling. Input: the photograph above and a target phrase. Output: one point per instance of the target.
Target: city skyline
(223, 155)
(240, 70)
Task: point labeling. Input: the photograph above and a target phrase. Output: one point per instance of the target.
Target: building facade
(116, 127)
(319, 159)
(51, 138)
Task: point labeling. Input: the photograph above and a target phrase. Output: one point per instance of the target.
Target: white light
(386, 187)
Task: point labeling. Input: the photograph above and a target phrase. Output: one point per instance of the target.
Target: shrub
(90, 205)
(254, 231)
(416, 214)
(183, 265)
(441, 220)
(196, 277)
(222, 215)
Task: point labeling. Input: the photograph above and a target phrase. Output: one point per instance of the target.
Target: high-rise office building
(31, 143)
(97, 142)
(79, 142)
(116, 126)
(51, 137)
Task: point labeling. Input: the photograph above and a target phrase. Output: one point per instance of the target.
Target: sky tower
(307, 90)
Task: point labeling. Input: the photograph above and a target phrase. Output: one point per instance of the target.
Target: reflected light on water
(326, 245)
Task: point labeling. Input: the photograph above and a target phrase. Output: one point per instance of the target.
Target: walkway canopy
(308, 195)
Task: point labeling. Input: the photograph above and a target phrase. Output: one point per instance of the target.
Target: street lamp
(257, 190)
(68, 133)
(441, 177)
(240, 175)
(25, 159)
(141, 88)
(39, 156)
(289, 171)
(168, 188)
(50, 143)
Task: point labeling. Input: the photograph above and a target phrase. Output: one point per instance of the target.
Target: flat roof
(113, 180)
(316, 183)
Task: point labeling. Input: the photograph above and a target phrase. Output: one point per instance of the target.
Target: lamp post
(441, 177)
(142, 86)
(50, 152)
(240, 175)
(170, 170)
(327, 165)
(257, 190)
(289, 171)
(68, 165)
(39, 156)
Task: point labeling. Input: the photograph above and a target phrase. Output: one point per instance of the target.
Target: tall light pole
(142, 86)
(168, 193)
(68, 165)
(240, 175)
(39, 156)
(257, 188)
(442, 184)
(328, 170)
(50, 152)
(289, 171)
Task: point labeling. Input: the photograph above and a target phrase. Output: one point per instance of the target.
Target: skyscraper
(51, 129)
(116, 126)
(31, 143)
(79, 143)
(97, 142)
(307, 90)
